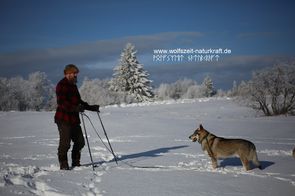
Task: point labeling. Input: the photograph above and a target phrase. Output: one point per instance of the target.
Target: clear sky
(45, 35)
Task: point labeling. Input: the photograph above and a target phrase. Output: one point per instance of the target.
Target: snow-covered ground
(156, 156)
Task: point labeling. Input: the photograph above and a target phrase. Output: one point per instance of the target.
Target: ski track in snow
(202, 163)
(27, 178)
(36, 180)
(20, 176)
(32, 181)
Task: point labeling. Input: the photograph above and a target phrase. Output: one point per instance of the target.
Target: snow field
(155, 154)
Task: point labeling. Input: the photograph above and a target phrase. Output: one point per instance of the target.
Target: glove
(80, 108)
(94, 108)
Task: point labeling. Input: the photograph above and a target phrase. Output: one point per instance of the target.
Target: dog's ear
(201, 126)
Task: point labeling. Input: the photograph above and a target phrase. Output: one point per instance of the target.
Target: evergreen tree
(130, 77)
(208, 88)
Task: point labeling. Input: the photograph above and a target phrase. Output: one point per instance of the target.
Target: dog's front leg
(213, 158)
(214, 162)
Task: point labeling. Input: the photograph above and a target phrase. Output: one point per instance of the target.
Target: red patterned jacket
(68, 99)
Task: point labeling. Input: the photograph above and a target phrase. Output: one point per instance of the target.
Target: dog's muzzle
(194, 138)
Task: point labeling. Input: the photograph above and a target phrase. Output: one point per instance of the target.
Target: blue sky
(46, 35)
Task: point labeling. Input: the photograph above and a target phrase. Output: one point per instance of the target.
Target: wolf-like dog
(218, 147)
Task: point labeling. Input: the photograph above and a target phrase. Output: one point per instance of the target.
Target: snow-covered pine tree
(130, 77)
(208, 88)
(41, 91)
(36, 93)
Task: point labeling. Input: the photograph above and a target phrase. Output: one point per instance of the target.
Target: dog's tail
(254, 157)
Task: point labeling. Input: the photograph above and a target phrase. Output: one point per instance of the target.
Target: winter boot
(76, 159)
(63, 162)
(64, 165)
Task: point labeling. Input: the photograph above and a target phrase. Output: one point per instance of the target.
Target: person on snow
(69, 104)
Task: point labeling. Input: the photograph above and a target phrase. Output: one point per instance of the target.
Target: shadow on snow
(235, 161)
(151, 153)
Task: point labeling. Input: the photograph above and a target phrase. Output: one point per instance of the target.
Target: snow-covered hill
(155, 154)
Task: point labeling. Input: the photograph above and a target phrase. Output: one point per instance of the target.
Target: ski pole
(107, 147)
(87, 141)
(105, 133)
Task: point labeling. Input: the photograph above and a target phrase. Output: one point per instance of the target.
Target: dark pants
(68, 133)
